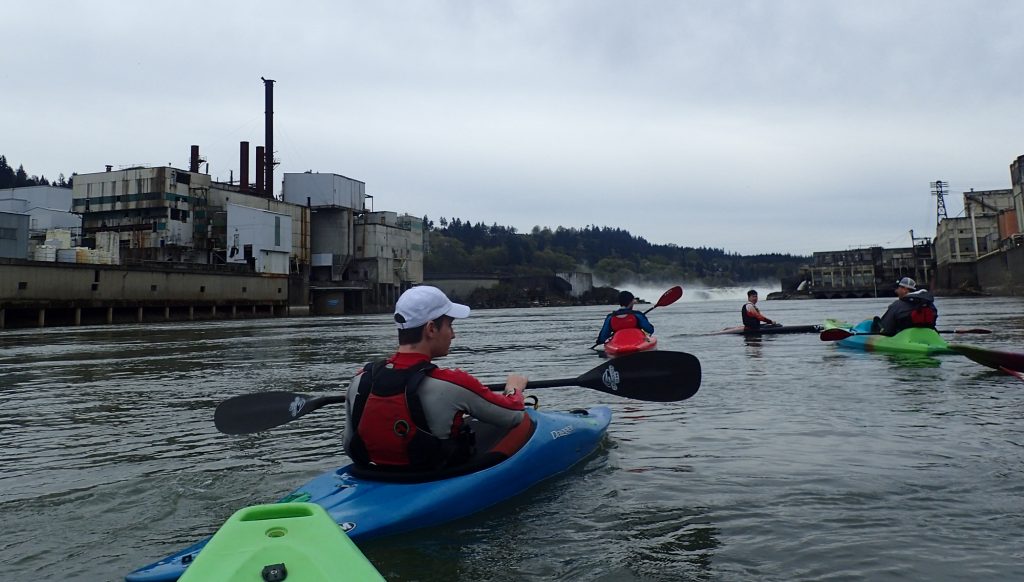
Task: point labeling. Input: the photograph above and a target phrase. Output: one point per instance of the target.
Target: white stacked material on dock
(67, 255)
(58, 238)
(109, 243)
(45, 253)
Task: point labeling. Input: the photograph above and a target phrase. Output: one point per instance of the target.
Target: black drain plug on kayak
(275, 573)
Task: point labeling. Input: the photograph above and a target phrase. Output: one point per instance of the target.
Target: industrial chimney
(243, 163)
(268, 87)
(193, 160)
(260, 172)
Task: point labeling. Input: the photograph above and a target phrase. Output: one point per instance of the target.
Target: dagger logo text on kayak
(565, 431)
(610, 378)
(296, 406)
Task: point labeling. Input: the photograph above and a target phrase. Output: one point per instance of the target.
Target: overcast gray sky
(752, 126)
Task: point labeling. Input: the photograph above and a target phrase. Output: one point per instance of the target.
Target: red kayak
(628, 341)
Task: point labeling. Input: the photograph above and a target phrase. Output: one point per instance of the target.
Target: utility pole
(939, 192)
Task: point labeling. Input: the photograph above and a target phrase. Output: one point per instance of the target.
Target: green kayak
(915, 340)
(293, 542)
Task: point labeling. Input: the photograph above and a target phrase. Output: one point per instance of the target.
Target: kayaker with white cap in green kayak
(913, 308)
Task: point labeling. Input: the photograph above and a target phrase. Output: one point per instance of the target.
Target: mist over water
(694, 292)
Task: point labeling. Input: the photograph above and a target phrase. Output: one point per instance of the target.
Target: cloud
(752, 126)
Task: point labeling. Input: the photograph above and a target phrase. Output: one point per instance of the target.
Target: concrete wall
(952, 277)
(1002, 273)
(300, 229)
(268, 234)
(42, 217)
(581, 282)
(41, 196)
(14, 235)
(462, 287)
(329, 190)
(331, 242)
(71, 285)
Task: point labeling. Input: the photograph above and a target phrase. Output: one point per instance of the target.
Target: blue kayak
(369, 506)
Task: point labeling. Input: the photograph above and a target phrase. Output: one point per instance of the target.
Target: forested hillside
(11, 178)
(614, 255)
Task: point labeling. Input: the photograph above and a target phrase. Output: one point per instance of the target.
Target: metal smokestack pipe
(243, 162)
(268, 86)
(193, 160)
(260, 160)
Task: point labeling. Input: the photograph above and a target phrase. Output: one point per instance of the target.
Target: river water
(796, 460)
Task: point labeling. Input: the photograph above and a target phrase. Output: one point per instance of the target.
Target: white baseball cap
(908, 283)
(424, 303)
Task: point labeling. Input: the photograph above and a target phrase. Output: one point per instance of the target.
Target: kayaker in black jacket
(752, 316)
(913, 308)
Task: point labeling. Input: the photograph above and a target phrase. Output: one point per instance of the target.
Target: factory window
(22, 284)
(244, 289)
(277, 231)
(202, 288)
(9, 233)
(152, 287)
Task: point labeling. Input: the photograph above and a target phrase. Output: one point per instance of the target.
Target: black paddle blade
(250, 413)
(657, 376)
(835, 334)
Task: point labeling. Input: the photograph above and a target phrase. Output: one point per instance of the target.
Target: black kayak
(769, 329)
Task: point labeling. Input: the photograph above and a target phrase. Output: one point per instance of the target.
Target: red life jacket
(391, 429)
(624, 322)
(924, 316)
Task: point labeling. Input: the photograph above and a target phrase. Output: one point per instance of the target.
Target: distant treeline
(613, 255)
(11, 178)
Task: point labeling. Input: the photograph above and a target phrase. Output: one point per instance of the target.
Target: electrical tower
(939, 192)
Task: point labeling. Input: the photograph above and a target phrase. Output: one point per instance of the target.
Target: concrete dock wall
(1002, 273)
(43, 294)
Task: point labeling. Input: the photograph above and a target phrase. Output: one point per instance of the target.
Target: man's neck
(417, 348)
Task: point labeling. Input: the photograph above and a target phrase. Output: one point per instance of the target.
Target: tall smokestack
(243, 163)
(260, 174)
(193, 160)
(268, 86)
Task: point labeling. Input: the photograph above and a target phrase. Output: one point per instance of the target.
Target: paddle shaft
(497, 387)
(651, 376)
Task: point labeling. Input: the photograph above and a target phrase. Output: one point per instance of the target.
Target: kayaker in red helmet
(623, 318)
(405, 413)
(913, 308)
(752, 316)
